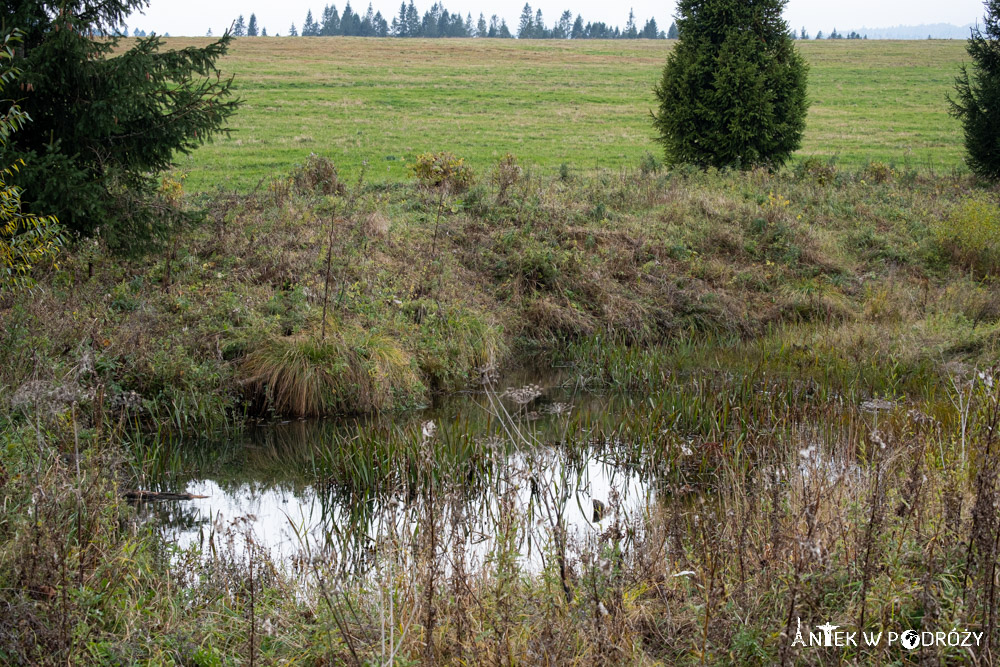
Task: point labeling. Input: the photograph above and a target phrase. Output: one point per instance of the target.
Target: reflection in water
(543, 490)
(268, 486)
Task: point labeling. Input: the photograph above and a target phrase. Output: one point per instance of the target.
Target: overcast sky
(194, 17)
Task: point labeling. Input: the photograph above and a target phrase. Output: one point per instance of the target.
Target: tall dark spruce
(106, 121)
(977, 97)
(733, 91)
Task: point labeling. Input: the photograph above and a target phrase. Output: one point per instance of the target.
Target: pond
(522, 461)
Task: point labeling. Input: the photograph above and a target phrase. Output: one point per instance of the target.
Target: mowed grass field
(583, 103)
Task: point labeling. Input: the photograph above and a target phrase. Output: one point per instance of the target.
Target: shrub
(649, 164)
(878, 172)
(506, 175)
(318, 175)
(733, 91)
(25, 240)
(971, 235)
(443, 170)
(815, 169)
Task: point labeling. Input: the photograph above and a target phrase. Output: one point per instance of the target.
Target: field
(585, 104)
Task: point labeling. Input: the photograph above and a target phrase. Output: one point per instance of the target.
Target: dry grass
(425, 289)
(349, 371)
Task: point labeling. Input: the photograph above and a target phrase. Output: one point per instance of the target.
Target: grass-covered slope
(427, 290)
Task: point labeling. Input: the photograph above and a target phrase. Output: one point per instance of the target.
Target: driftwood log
(136, 494)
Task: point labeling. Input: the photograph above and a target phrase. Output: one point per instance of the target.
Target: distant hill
(934, 30)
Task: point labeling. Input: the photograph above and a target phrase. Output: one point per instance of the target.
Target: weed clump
(814, 169)
(443, 170)
(507, 174)
(454, 344)
(318, 176)
(550, 319)
(878, 173)
(971, 235)
(649, 165)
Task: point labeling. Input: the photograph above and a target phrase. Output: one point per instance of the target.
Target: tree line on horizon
(833, 35)
(439, 22)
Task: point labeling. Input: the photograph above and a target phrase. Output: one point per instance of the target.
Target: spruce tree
(565, 25)
(672, 31)
(977, 97)
(631, 32)
(412, 21)
(309, 27)
(733, 91)
(650, 30)
(367, 25)
(526, 28)
(330, 25)
(105, 119)
(429, 24)
(350, 23)
(240, 27)
(252, 26)
(399, 23)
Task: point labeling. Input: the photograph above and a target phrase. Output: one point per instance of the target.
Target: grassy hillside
(585, 104)
(427, 288)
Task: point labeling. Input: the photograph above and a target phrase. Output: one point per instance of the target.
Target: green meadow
(585, 104)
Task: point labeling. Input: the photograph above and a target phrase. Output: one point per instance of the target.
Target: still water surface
(266, 485)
